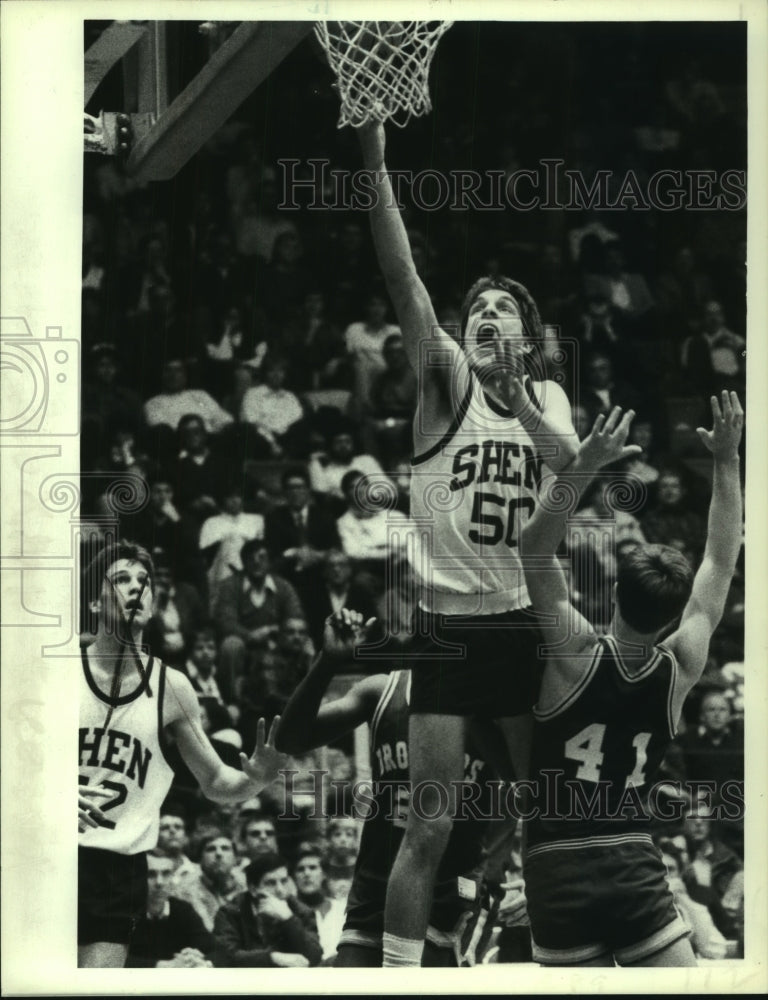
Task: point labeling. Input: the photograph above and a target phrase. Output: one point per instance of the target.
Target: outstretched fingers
(617, 422)
(599, 424)
(613, 420)
(261, 728)
(262, 739)
(736, 408)
(625, 423)
(273, 731)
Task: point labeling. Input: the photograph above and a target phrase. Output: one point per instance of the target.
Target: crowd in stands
(244, 378)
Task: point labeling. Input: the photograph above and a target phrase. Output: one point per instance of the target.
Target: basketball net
(381, 67)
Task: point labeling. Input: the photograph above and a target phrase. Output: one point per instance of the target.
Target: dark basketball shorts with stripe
(111, 895)
(599, 900)
(486, 666)
(361, 938)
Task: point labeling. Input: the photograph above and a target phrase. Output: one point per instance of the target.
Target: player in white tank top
(488, 474)
(127, 703)
(466, 574)
(127, 759)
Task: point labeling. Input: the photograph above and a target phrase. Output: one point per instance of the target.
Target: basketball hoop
(381, 67)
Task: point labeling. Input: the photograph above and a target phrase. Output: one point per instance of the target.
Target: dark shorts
(111, 895)
(367, 897)
(600, 900)
(495, 672)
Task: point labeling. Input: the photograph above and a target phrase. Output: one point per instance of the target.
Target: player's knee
(428, 829)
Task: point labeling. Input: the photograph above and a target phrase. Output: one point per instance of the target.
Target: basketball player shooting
(608, 709)
(472, 431)
(130, 704)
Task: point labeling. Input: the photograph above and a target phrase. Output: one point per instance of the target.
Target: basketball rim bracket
(154, 137)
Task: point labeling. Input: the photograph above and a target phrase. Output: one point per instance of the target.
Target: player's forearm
(545, 582)
(230, 786)
(390, 238)
(549, 424)
(724, 527)
(297, 732)
(558, 498)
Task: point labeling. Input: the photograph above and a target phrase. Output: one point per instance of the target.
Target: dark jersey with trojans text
(384, 827)
(596, 755)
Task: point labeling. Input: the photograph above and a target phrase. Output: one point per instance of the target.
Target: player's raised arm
(218, 782)
(548, 420)
(410, 298)
(705, 606)
(305, 722)
(543, 533)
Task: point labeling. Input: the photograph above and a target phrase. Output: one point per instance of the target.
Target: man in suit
(300, 533)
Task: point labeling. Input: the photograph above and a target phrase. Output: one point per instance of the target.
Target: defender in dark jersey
(382, 701)
(129, 704)
(607, 711)
(474, 482)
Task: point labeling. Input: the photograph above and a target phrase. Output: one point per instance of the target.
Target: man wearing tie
(299, 534)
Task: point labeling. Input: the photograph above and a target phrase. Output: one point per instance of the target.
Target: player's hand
(513, 909)
(89, 816)
(727, 424)
(606, 442)
(509, 379)
(343, 632)
(263, 765)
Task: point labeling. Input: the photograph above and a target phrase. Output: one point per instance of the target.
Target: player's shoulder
(370, 689)
(180, 696)
(568, 674)
(689, 643)
(444, 399)
(547, 389)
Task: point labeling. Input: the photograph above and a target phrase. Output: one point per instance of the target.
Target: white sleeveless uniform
(128, 759)
(470, 494)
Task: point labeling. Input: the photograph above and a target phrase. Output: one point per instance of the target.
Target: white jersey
(470, 494)
(128, 759)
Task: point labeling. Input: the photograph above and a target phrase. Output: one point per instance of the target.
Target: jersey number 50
(485, 512)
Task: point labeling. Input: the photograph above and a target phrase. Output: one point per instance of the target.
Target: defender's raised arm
(705, 606)
(541, 536)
